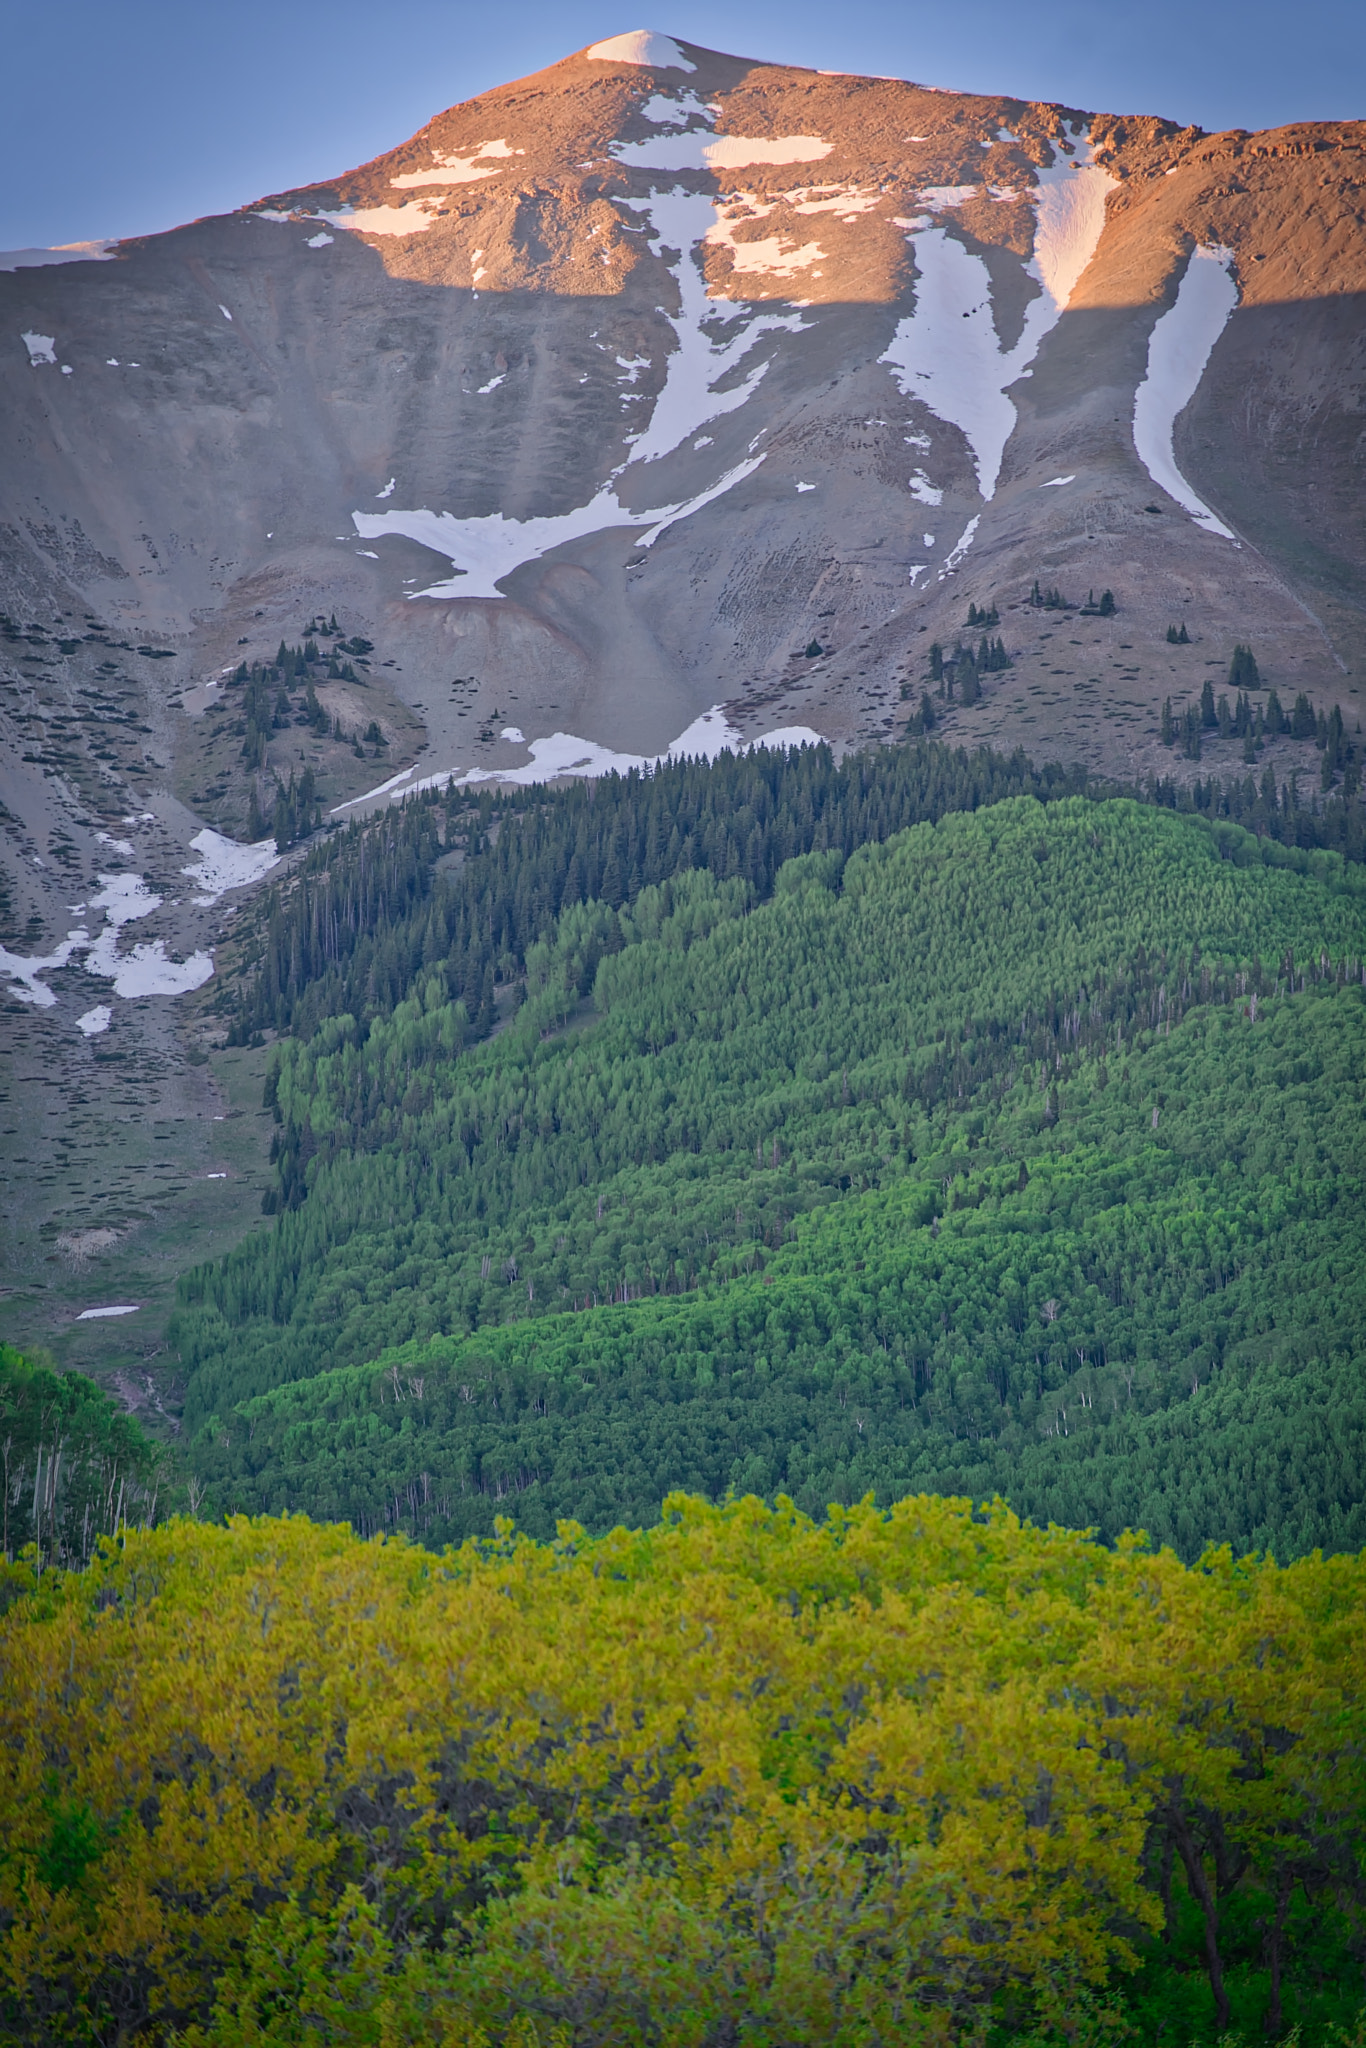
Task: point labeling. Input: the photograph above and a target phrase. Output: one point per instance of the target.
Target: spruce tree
(1243, 673)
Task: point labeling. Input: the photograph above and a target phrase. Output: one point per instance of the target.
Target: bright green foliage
(825, 1104)
(75, 1467)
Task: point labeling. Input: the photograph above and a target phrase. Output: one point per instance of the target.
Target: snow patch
(515, 733)
(42, 348)
(485, 550)
(640, 46)
(701, 152)
(946, 353)
(563, 753)
(388, 490)
(122, 1308)
(320, 241)
(66, 252)
(848, 201)
(145, 970)
(27, 971)
(95, 1021)
(938, 197)
(965, 539)
(1178, 351)
(924, 491)
(689, 400)
(223, 864)
(412, 218)
(674, 113)
(1054, 481)
(460, 167)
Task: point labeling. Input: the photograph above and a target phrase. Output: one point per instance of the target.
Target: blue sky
(128, 116)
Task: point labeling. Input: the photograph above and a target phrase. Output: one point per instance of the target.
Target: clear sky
(127, 116)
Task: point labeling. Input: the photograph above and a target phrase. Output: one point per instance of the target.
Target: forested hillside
(1019, 1153)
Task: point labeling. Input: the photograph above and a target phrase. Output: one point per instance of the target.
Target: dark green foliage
(369, 915)
(986, 616)
(297, 814)
(1302, 721)
(1178, 637)
(1243, 673)
(1105, 609)
(813, 650)
(1049, 600)
(75, 1467)
(1208, 716)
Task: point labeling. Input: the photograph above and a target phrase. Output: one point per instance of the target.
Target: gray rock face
(665, 387)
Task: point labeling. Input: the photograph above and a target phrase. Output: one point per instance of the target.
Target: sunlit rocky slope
(661, 398)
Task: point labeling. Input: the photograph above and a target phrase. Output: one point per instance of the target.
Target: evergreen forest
(787, 1468)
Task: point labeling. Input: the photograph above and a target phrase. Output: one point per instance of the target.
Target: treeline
(371, 911)
(75, 1467)
(1252, 724)
(742, 1781)
(460, 884)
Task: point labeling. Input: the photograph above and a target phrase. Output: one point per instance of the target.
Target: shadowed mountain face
(662, 393)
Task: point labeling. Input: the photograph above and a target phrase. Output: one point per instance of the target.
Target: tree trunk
(1199, 1884)
(1272, 2022)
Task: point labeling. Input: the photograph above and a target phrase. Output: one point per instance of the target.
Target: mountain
(661, 399)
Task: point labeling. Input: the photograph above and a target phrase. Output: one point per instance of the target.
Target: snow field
(1178, 351)
(641, 46)
(459, 168)
(224, 865)
(562, 753)
(947, 353)
(146, 969)
(66, 252)
(702, 152)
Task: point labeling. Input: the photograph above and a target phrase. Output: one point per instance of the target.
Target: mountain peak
(643, 46)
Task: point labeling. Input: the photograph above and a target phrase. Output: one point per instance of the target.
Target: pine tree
(1302, 723)
(1107, 604)
(936, 662)
(1209, 717)
(1168, 724)
(1243, 673)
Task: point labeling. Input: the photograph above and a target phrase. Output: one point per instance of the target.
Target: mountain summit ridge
(639, 404)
